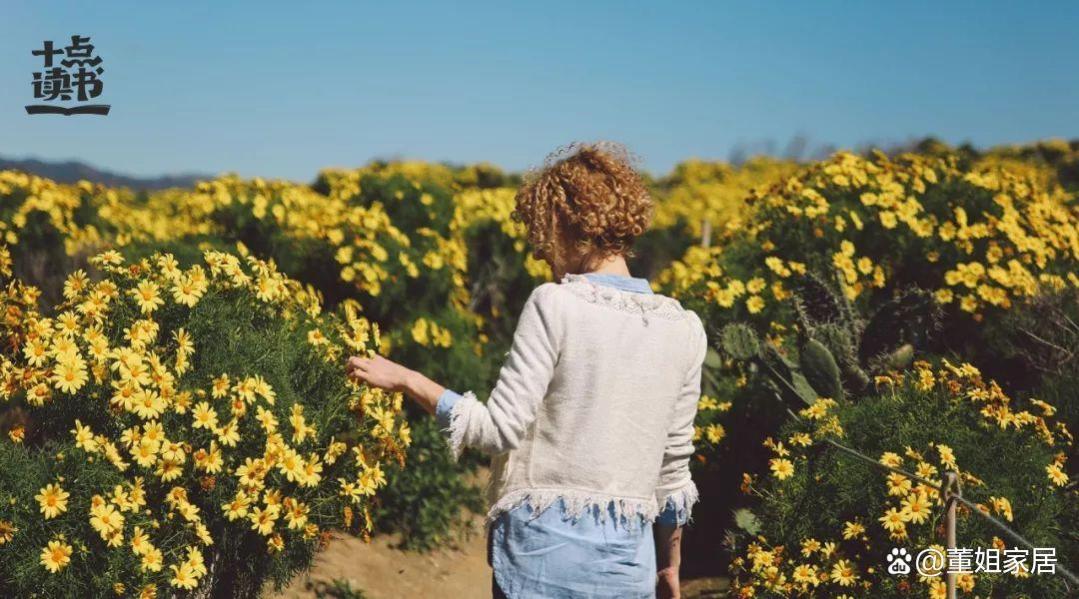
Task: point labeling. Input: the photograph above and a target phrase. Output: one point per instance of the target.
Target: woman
(591, 420)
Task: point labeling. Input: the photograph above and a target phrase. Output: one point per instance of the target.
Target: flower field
(176, 419)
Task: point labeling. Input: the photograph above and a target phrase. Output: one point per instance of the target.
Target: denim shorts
(551, 556)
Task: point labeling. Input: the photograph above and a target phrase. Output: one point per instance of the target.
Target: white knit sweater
(594, 405)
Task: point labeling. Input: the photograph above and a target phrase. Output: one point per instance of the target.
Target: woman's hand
(379, 372)
(387, 374)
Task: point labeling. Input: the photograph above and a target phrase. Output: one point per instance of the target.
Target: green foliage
(784, 376)
(747, 522)
(837, 342)
(424, 499)
(337, 589)
(922, 425)
(430, 498)
(836, 350)
(498, 277)
(422, 209)
(820, 369)
(250, 325)
(837, 339)
(187, 252)
(24, 471)
(901, 322)
(740, 342)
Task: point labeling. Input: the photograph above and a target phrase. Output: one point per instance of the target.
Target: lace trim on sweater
(644, 304)
(683, 501)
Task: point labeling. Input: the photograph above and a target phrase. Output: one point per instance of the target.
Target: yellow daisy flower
(147, 296)
(56, 556)
(53, 500)
(782, 468)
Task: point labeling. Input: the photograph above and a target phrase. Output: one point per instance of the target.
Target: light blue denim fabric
(552, 556)
(541, 556)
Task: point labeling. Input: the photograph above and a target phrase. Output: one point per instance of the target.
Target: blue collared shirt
(538, 556)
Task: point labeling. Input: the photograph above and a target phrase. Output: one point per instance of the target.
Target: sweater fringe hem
(577, 503)
(683, 501)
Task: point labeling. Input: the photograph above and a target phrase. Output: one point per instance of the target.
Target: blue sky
(284, 89)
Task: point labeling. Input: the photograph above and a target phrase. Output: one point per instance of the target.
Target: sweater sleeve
(498, 425)
(676, 492)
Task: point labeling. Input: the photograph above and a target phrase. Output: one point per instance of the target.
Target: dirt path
(381, 571)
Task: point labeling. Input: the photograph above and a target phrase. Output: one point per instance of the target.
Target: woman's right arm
(499, 425)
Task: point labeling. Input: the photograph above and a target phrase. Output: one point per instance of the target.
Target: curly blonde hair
(589, 194)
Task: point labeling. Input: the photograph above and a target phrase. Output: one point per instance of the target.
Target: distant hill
(73, 171)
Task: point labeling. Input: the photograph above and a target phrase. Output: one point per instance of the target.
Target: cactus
(740, 341)
(837, 350)
(820, 369)
(905, 319)
(816, 301)
(839, 342)
(860, 348)
(826, 316)
(712, 359)
(900, 359)
(787, 378)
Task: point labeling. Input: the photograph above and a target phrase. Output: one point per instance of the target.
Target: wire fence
(952, 494)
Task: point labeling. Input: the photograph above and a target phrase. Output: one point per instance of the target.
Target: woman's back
(623, 381)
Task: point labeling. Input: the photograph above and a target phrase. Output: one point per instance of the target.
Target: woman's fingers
(377, 371)
(360, 374)
(358, 363)
(356, 368)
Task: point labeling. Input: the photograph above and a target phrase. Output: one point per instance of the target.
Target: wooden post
(706, 233)
(951, 490)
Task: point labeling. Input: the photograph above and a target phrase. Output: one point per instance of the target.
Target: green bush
(216, 435)
(828, 520)
(429, 500)
(417, 307)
